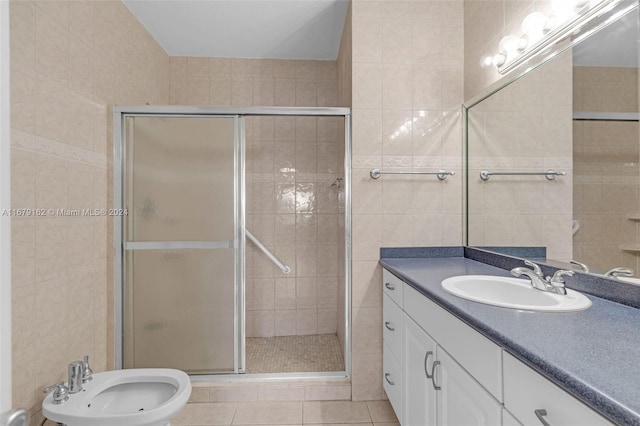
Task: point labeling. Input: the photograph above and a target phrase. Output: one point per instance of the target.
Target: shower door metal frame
(119, 115)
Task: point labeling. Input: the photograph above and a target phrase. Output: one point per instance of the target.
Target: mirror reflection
(553, 158)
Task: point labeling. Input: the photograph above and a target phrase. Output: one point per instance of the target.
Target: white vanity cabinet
(435, 389)
(440, 371)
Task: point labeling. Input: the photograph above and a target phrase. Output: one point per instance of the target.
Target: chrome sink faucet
(553, 284)
(619, 272)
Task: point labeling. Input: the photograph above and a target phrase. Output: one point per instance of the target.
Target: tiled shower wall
(291, 164)
(70, 62)
(606, 156)
(292, 207)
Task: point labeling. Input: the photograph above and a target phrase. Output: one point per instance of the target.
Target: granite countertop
(592, 354)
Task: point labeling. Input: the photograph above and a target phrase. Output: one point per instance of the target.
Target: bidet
(135, 397)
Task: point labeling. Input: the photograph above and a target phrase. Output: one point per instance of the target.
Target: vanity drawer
(392, 325)
(526, 391)
(392, 379)
(392, 286)
(484, 362)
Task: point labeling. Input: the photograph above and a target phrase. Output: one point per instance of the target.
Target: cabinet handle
(540, 415)
(426, 357)
(388, 325)
(386, 377)
(390, 286)
(433, 376)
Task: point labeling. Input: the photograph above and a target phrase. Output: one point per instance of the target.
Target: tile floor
(370, 413)
(294, 354)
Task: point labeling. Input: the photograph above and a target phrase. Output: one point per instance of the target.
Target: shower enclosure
(233, 254)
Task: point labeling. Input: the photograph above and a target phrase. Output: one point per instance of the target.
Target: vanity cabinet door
(392, 379)
(533, 399)
(460, 399)
(419, 352)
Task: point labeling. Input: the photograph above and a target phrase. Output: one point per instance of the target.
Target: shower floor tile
(294, 354)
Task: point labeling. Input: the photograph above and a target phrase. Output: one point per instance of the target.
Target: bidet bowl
(136, 397)
(513, 293)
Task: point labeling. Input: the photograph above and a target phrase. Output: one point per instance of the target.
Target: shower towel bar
(549, 174)
(441, 174)
(284, 268)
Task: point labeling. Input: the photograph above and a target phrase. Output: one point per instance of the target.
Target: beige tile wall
(606, 187)
(407, 91)
(527, 126)
(252, 82)
(70, 62)
(486, 22)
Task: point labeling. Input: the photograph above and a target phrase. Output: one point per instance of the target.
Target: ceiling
(276, 29)
(613, 46)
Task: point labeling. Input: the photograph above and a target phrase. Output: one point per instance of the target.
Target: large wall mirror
(553, 155)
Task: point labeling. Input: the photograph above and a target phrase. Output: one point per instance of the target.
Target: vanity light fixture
(539, 32)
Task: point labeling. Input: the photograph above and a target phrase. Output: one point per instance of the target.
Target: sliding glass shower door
(181, 243)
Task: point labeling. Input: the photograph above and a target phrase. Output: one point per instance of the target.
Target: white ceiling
(277, 29)
(613, 46)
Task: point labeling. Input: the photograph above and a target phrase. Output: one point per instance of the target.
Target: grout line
(235, 413)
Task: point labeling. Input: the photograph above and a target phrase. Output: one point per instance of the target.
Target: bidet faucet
(60, 392)
(75, 377)
(553, 284)
(87, 372)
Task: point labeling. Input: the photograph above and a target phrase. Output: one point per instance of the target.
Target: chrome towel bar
(549, 174)
(441, 174)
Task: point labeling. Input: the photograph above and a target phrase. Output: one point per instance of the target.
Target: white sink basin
(136, 397)
(513, 293)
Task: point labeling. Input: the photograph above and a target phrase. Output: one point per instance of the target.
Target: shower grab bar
(549, 174)
(441, 174)
(284, 268)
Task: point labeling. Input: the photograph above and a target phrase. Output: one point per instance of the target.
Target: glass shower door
(181, 243)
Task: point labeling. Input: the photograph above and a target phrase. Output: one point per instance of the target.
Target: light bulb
(499, 60)
(534, 26)
(511, 45)
(563, 10)
(487, 61)
(567, 9)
